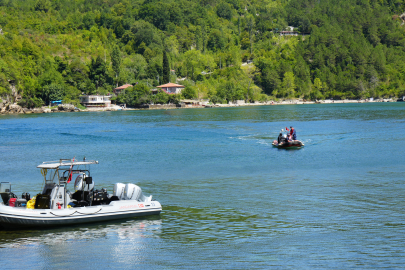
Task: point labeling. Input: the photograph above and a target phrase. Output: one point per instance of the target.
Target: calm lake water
(230, 200)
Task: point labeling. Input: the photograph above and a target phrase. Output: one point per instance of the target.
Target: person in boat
(292, 135)
(280, 137)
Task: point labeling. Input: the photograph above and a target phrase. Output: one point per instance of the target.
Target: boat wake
(258, 138)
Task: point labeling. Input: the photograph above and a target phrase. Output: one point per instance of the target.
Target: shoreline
(16, 109)
(300, 102)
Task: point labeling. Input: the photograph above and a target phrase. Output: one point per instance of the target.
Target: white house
(95, 101)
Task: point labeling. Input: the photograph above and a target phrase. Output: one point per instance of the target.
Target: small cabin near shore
(171, 88)
(95, 101)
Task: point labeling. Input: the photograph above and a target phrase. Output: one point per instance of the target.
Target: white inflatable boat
(57, 206)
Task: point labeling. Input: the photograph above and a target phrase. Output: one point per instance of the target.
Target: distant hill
(59, 49)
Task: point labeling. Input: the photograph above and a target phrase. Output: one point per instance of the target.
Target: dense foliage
(59, 49)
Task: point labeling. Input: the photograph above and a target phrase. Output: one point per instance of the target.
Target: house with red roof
(121, 88)
(171, 88)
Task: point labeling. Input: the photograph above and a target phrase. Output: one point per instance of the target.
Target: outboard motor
(119, 189)
(132, 192)
(81, 185)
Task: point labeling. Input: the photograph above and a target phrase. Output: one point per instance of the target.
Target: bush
(217, 100)
(30, 103)
(161, 98)
(189, 92)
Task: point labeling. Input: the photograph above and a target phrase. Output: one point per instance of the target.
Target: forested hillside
(59, 49)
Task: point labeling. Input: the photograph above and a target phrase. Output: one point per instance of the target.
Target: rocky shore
(298, 102)
(8, 108)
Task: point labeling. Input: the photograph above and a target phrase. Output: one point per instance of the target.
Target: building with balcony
(95, 101)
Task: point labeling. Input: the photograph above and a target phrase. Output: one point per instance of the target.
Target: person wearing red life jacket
(293, 134)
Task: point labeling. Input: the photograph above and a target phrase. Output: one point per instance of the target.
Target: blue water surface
(230, 200)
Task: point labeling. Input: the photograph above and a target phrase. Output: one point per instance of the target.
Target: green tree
(53, 91)
(137, 95)
(195, 62)
(98, 72)
(288, 85)
(189, 92)
(30, 99)
(316, 92)
(42, 5)
(77, 75)
(216, 40)
(224, 10)
(4, 75)
(116, 62)
(166, 68)
(161, 98)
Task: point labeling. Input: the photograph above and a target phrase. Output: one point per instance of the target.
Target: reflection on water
(123, 230)
(210, 224)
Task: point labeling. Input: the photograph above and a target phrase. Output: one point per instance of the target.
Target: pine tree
(166, 68)
(116, 62)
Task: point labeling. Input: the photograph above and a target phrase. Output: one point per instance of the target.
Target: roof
(64, 162)
(95, 95)
(171, 85)
(123, 86)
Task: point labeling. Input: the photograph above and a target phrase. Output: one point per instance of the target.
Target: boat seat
(42, 201)
(78, 195)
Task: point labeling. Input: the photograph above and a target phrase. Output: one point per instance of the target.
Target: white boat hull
(18, 217)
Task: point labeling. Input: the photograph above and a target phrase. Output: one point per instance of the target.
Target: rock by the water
(14, 108)
(38, 110)
(66, 107)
